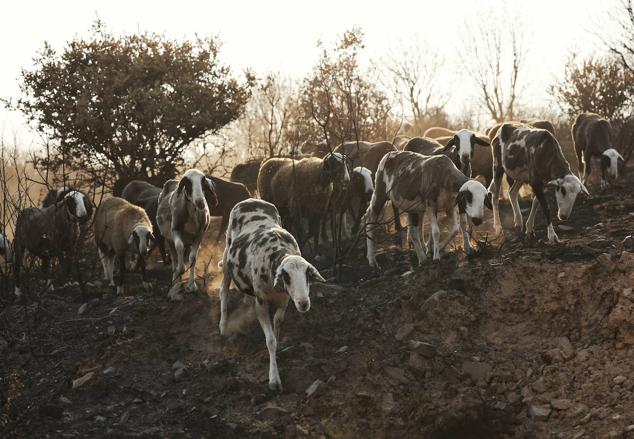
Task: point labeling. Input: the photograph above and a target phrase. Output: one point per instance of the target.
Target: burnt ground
(524, 340)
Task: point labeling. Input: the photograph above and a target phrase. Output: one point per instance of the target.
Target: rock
(313, 387)
(561, 404)
(600, 243)
(539, 412)
(629, 428)
(628, 293)
(64, 400)
(566, 347)
(108, 370)
(397, 374)
(605, 261)
(111, 330)
(427, 350)
(179, 373)
(620, 379)
(342, 349)
(628, 243)
(477, 371)
(82, 380)
(539, 386)
(387, 403)
(100, 418)
(178, 365)
(82, 309)
(565, 228)
(404, 331)
(626, 261)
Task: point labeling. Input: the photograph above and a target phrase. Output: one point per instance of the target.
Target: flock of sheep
(441, 171)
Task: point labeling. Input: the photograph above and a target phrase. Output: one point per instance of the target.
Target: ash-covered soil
(524, 340)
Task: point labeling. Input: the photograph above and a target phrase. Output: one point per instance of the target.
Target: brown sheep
(303, 188)
(424, 146)
(365, 154)
(247, 173)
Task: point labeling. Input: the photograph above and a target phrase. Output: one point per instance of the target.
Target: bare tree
(493, 56)
(620, 38)
(414, 74)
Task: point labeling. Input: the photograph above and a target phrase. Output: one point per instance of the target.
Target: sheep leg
(582, 170)
(104, 264)
(530, 223)
(223, 228)
(278, 319)
(172, 253)
(370, 218)
(147, 285)
(262, 312)
(46, 269)
(111, 260)
(413, 236)
(451, 213)
(539, 194)
(160, 241)
(120, 279)
(515, 205)
(495, 186)
(192, 287)
(18, 253)
(179, 248)
(435, 233)
(464, 222)
(224, 292)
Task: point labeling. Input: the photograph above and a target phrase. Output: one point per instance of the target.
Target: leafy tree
(124, 107)
(603, 86)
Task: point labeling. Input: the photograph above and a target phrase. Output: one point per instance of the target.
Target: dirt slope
(525, 340)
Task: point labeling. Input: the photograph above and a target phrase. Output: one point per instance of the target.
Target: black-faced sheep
(592, 137)
(121, 227)
(263, 260)
(183, 217)
(50, 232)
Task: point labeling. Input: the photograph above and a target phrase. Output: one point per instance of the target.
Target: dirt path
(526, 340)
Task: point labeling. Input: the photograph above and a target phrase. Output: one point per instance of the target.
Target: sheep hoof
(120, 290)
(17, 292)
(192, 288)
(147, 286)
(223, 328)
(275, 385)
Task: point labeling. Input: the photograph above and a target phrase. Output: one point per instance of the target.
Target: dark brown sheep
(229, 194)
(247, 173)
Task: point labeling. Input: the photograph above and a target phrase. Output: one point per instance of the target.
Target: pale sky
(281, 36)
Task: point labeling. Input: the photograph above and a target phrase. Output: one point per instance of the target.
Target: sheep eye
(563, 191)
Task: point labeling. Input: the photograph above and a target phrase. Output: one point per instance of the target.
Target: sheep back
(115, 221)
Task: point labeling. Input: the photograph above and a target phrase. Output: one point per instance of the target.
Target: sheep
(55, 195)
(359, 195)
(532, 156)
(50, 232)
(303, 188)
(247, 173)
(592, 138)
(435, 132)
(145, 195)
(425, 146)
(417, 184)
(122, 227)
(470, 160)
(183, 217)
(229, 194)
(365, 154)
(535, 123)
(263, 260)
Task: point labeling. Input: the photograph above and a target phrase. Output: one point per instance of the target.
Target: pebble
(82, 309)
(397, 374)
(342, 349)
(388, 404)
(82, 380)
(178, 365)
(111, 330)
(539, 386)
(561, 404)
(404, 331)
(566, 348)
(313, 387)
(620, 379)
(629, 428)
(539, 411)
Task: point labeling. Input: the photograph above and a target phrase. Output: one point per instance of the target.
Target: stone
(427, 350)
(82, 380)
(626, 261)
(539, 386)
(566, 347)
(628, 293)
(565, 228)
(605, 261)
(179, 373)
(312, 389)
(629, 428)
(178, 365)
(561, 404)
(539, 412)
(404, 331)
(620, 379)
(397, 374)
(108, 370)
(342, 349)
(82, 309)
(477, 371)
(387, 402)
(111, 330)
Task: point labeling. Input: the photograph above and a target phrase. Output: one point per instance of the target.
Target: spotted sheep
(592, 137)
(263, 260)
(122, 228)
(532, 156)
(303, 189)
(50, 233)
(418, 184)
(183, 217)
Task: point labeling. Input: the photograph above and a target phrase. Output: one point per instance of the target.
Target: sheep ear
(584, 189)
(314, 274)
(553, 183)
(460, 202)
(88, 207)
(210, 192)
(184, 183)
(452, 142)
(132, 238)
(278, 284)
(480, 141)
(488, 200)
